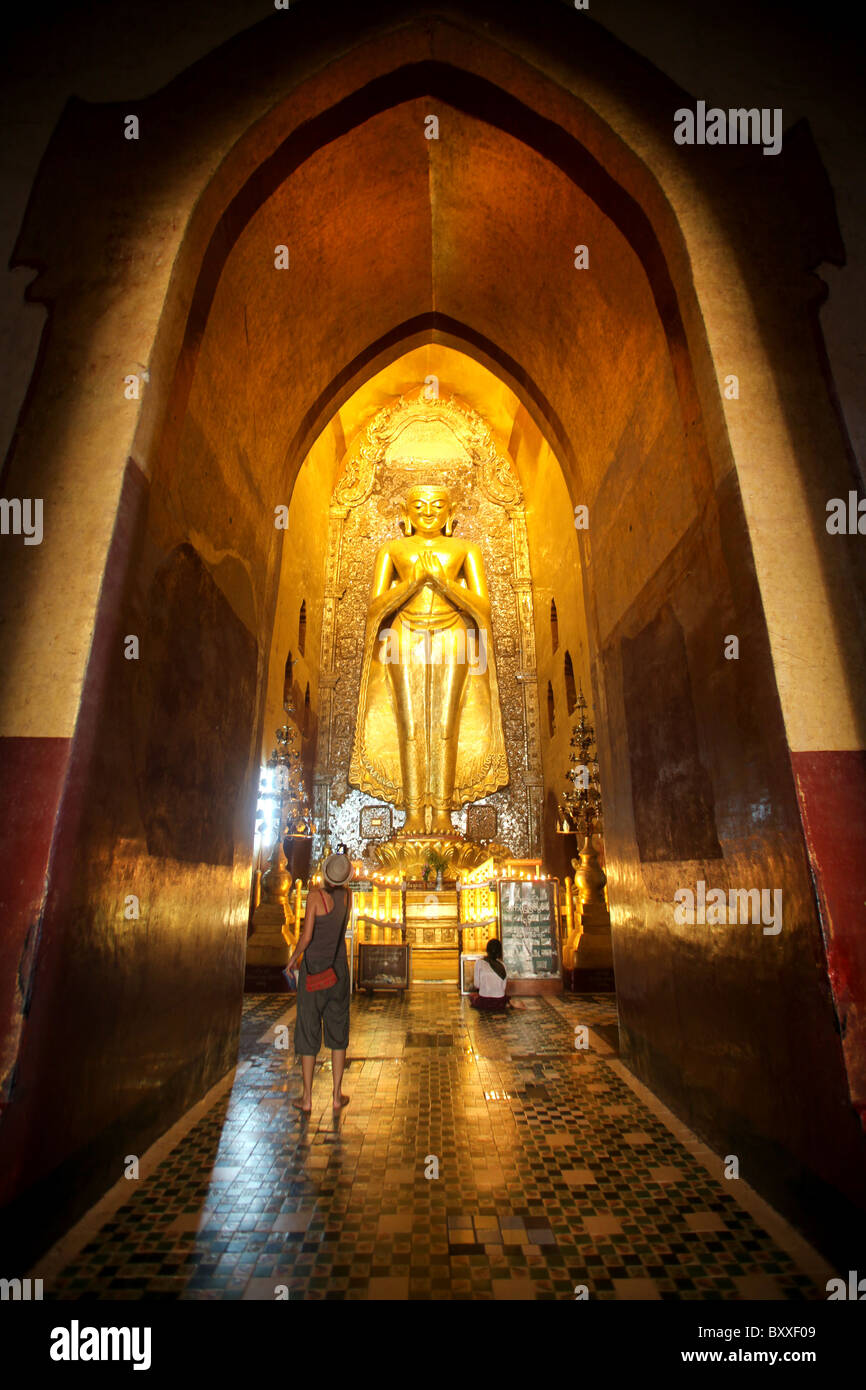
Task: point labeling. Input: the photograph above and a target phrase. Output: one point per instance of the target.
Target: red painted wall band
(831, 788)
(32, 771)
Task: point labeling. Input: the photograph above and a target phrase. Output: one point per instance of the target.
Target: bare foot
(340, 1102)
(299, 1105)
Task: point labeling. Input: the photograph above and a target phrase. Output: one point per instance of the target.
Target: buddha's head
(428, 509)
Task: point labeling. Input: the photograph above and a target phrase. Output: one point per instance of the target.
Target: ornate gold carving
(481, 822)
(408, 857)
(354, 486)
(375, 822)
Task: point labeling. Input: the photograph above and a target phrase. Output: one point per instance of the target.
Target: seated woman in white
(490, 981)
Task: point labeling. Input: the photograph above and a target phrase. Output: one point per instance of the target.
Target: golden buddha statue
(429, 729)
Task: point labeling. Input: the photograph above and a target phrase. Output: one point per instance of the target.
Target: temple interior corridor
(432, 583)
(555, 1170)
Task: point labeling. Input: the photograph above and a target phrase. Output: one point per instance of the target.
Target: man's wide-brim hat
(337, 869)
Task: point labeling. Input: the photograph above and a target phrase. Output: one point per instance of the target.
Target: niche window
(570, 688)
(551, 710)
(554, 625)
(302, 627)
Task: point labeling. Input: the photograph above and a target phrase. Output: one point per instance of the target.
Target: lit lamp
(296, 819)
(283, 812)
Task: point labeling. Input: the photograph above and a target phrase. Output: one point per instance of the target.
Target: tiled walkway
(552, 1174)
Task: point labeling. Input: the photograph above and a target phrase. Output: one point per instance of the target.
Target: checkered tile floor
(552, 1174)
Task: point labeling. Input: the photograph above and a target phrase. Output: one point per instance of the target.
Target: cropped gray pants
(324, 1010)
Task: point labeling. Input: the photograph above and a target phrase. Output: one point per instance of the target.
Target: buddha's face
(427, 509)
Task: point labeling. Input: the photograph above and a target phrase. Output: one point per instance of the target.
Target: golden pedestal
(408, 856)
(267, 945)
(593, 947)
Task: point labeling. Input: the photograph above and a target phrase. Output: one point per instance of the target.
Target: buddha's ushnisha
(429, 729)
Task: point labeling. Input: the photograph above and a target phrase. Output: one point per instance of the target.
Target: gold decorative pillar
(267, 947)
(594, 945)
(571, 935)
(590, 944)
(328, 676)
(528, 678)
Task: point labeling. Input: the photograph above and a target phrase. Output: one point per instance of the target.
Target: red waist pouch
(322, 980)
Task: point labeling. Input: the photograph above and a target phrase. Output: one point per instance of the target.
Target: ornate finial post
(581, 813)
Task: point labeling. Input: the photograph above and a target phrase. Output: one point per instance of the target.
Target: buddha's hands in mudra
(452, 569)
(428, 570)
